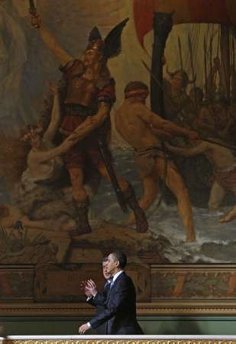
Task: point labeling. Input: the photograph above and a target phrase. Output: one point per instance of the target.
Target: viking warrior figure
(178, 105)
(90, 91)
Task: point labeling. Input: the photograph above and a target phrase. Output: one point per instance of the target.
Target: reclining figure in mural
(141, 129)
(90, 91)
(11, 217)
(45, 164)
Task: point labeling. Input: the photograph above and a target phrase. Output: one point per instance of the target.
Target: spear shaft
(192, 68)
(205, 67)
(180, 54)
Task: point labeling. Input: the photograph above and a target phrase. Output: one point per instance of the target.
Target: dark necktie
(108, 286)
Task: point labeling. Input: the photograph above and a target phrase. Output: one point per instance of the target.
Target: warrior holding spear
(90, 91)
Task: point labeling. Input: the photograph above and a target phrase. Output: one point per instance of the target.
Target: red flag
(143, 17)
(185, 11)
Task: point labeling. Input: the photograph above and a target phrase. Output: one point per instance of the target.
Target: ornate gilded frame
(122, 339)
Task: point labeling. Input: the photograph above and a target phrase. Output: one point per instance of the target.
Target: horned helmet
(182, 75)
(111, 45)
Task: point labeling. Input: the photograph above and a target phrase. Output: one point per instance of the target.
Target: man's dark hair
(104, 259)
(121, 257)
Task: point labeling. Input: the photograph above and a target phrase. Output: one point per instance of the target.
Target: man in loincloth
(142, 130)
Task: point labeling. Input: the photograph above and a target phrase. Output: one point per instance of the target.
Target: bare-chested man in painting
(142, 130)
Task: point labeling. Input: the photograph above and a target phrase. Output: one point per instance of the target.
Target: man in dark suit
(119, 312)
(90, 290)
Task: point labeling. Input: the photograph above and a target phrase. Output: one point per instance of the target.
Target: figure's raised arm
(55, 114)
(63, 56)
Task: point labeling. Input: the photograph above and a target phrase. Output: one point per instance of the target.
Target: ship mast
(225, 59)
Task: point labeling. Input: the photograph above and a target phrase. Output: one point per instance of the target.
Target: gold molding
(120, 341)
(183, 307)
(123, 340)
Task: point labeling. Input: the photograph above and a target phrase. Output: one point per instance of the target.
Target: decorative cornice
(143, 309)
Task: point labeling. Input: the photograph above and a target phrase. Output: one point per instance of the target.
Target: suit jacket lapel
(113, 284)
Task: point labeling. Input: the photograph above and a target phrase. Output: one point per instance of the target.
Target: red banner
(143, 17)
(185, 11)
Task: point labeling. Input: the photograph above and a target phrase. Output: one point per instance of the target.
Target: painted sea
(216, 242)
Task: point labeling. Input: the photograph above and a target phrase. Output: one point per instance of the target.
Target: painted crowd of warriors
(212, 114)
(73, 137)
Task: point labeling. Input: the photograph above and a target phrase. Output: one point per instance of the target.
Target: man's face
(177, 81)
(112, 264)
(106, 275)
(91, 56)
(36, 136)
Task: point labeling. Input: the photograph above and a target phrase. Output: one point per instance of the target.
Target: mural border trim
(182, 307)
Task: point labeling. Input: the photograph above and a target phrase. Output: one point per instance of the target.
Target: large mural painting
(85, 168)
